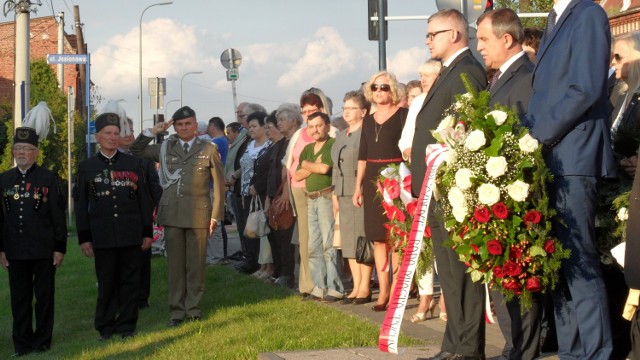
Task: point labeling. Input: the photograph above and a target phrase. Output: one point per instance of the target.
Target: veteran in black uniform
(113, 221)
(33, 242)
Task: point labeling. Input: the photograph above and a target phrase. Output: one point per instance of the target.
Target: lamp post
(140, 60)
(183, 76)
(166, 106)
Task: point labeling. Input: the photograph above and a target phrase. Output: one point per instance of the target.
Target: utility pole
(80, 99)
(61, 49)
(22, 74)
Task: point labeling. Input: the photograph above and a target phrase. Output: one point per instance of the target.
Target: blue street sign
(67, 58)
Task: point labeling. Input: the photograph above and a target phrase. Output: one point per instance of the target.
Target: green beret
(183, 113)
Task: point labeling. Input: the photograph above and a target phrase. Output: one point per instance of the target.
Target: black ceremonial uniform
(113, 213)
(32, 223)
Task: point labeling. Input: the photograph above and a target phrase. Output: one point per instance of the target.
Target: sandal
(418, 317)
(443, 316)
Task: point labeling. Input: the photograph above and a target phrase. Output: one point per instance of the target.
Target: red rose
(532, 217)
(550, 246)
(475, 248)
(412, 207)
(513, 286)
(395, 213)
(406, 183)
(515, 253)
(494, 247)
(427, 232)
(392, 187)
(482, 215)
(533, 284)
(500, 210)
(512, 268)
(497, 272)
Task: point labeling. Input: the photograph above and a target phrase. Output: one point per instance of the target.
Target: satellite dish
(231, 58)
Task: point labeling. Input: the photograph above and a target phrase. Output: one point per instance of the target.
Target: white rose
(463, 178)
(527, 144)
(496, 166)
(518, 190)
(456, 197)
(467, 96)
(488, 194)
(460, 213)
(623, 214)
(475, 140)
(499, 116)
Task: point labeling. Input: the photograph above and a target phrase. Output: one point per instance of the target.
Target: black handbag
(364, 251)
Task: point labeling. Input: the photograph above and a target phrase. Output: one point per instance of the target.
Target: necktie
(551, 22)
(494, 78)
(186, 148)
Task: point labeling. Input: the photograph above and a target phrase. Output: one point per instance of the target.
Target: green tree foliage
(528, 6)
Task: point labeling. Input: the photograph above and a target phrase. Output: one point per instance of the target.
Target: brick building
(44, 40)
(624, 15)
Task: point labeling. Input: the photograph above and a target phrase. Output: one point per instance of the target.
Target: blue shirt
(223, 147)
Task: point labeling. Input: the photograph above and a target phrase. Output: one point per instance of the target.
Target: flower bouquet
(494, 198)
(394, 187)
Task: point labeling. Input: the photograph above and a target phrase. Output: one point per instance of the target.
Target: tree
(528, 6)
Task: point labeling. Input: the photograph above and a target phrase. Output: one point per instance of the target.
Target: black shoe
(20, 353)
(247, 267)
(236, 256)
(174, 323)
(127, 334)
(347, 300)
(329, 299)
(309, 297)
(143, 305)
(360, 301)
(194, 318)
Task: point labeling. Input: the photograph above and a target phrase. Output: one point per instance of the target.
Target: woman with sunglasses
(378, 149)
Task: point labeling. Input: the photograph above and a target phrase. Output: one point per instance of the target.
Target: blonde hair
(431, 66)
(632, 40)
(396, 95)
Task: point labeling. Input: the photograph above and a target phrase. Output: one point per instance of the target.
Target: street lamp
(192, 72)
(140, 59)
(166, 106)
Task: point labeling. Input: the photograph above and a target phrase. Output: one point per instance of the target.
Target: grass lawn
(241, 318)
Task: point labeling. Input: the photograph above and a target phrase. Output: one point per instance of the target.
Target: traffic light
(373, 25)
(489, 6)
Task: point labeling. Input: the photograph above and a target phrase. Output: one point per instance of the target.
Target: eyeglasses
(617, 57)
(23, 148)
(432, 35)
(382, 87)
(350, 108)
(309, 111)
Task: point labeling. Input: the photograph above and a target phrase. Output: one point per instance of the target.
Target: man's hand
(212, 227)
(161, 127)
(58, 258)
(87, 249)
(3, 261)
(146, 243)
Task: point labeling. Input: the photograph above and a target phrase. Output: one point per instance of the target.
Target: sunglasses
(617, 57)
(382, 87)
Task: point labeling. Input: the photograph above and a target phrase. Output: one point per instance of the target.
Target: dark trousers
(26, 279)
(635, 337)
(118, 273)
(145, 277)
(465, 299)
(580, 298)
(283, 252)
(521, 330)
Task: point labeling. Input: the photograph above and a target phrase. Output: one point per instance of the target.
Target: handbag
(256, 221)
(364, 251)
(280, 218)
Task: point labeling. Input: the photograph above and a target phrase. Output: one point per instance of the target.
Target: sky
(287, 46)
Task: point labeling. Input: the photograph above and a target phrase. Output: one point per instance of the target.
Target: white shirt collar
(510, 62)
(190, 142)
(560, 7)
(454, 56)
(107, 156)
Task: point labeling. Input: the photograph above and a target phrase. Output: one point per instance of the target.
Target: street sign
(231, 58)
(232, 74)
(471, 9)
(67, 58)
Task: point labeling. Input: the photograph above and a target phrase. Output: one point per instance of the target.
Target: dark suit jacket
(440, 97)
(568, 109)
(513, 88)
(631, 263)
(627, 136)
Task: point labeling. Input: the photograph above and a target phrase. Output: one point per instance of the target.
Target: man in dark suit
(631, 263)
(568, 115)
(448, 41)
(500, 36)
(33, 241)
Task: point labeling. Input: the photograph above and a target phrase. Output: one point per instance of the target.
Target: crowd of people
(574, 89)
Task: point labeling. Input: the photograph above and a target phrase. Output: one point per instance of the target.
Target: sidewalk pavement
(430, 331)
